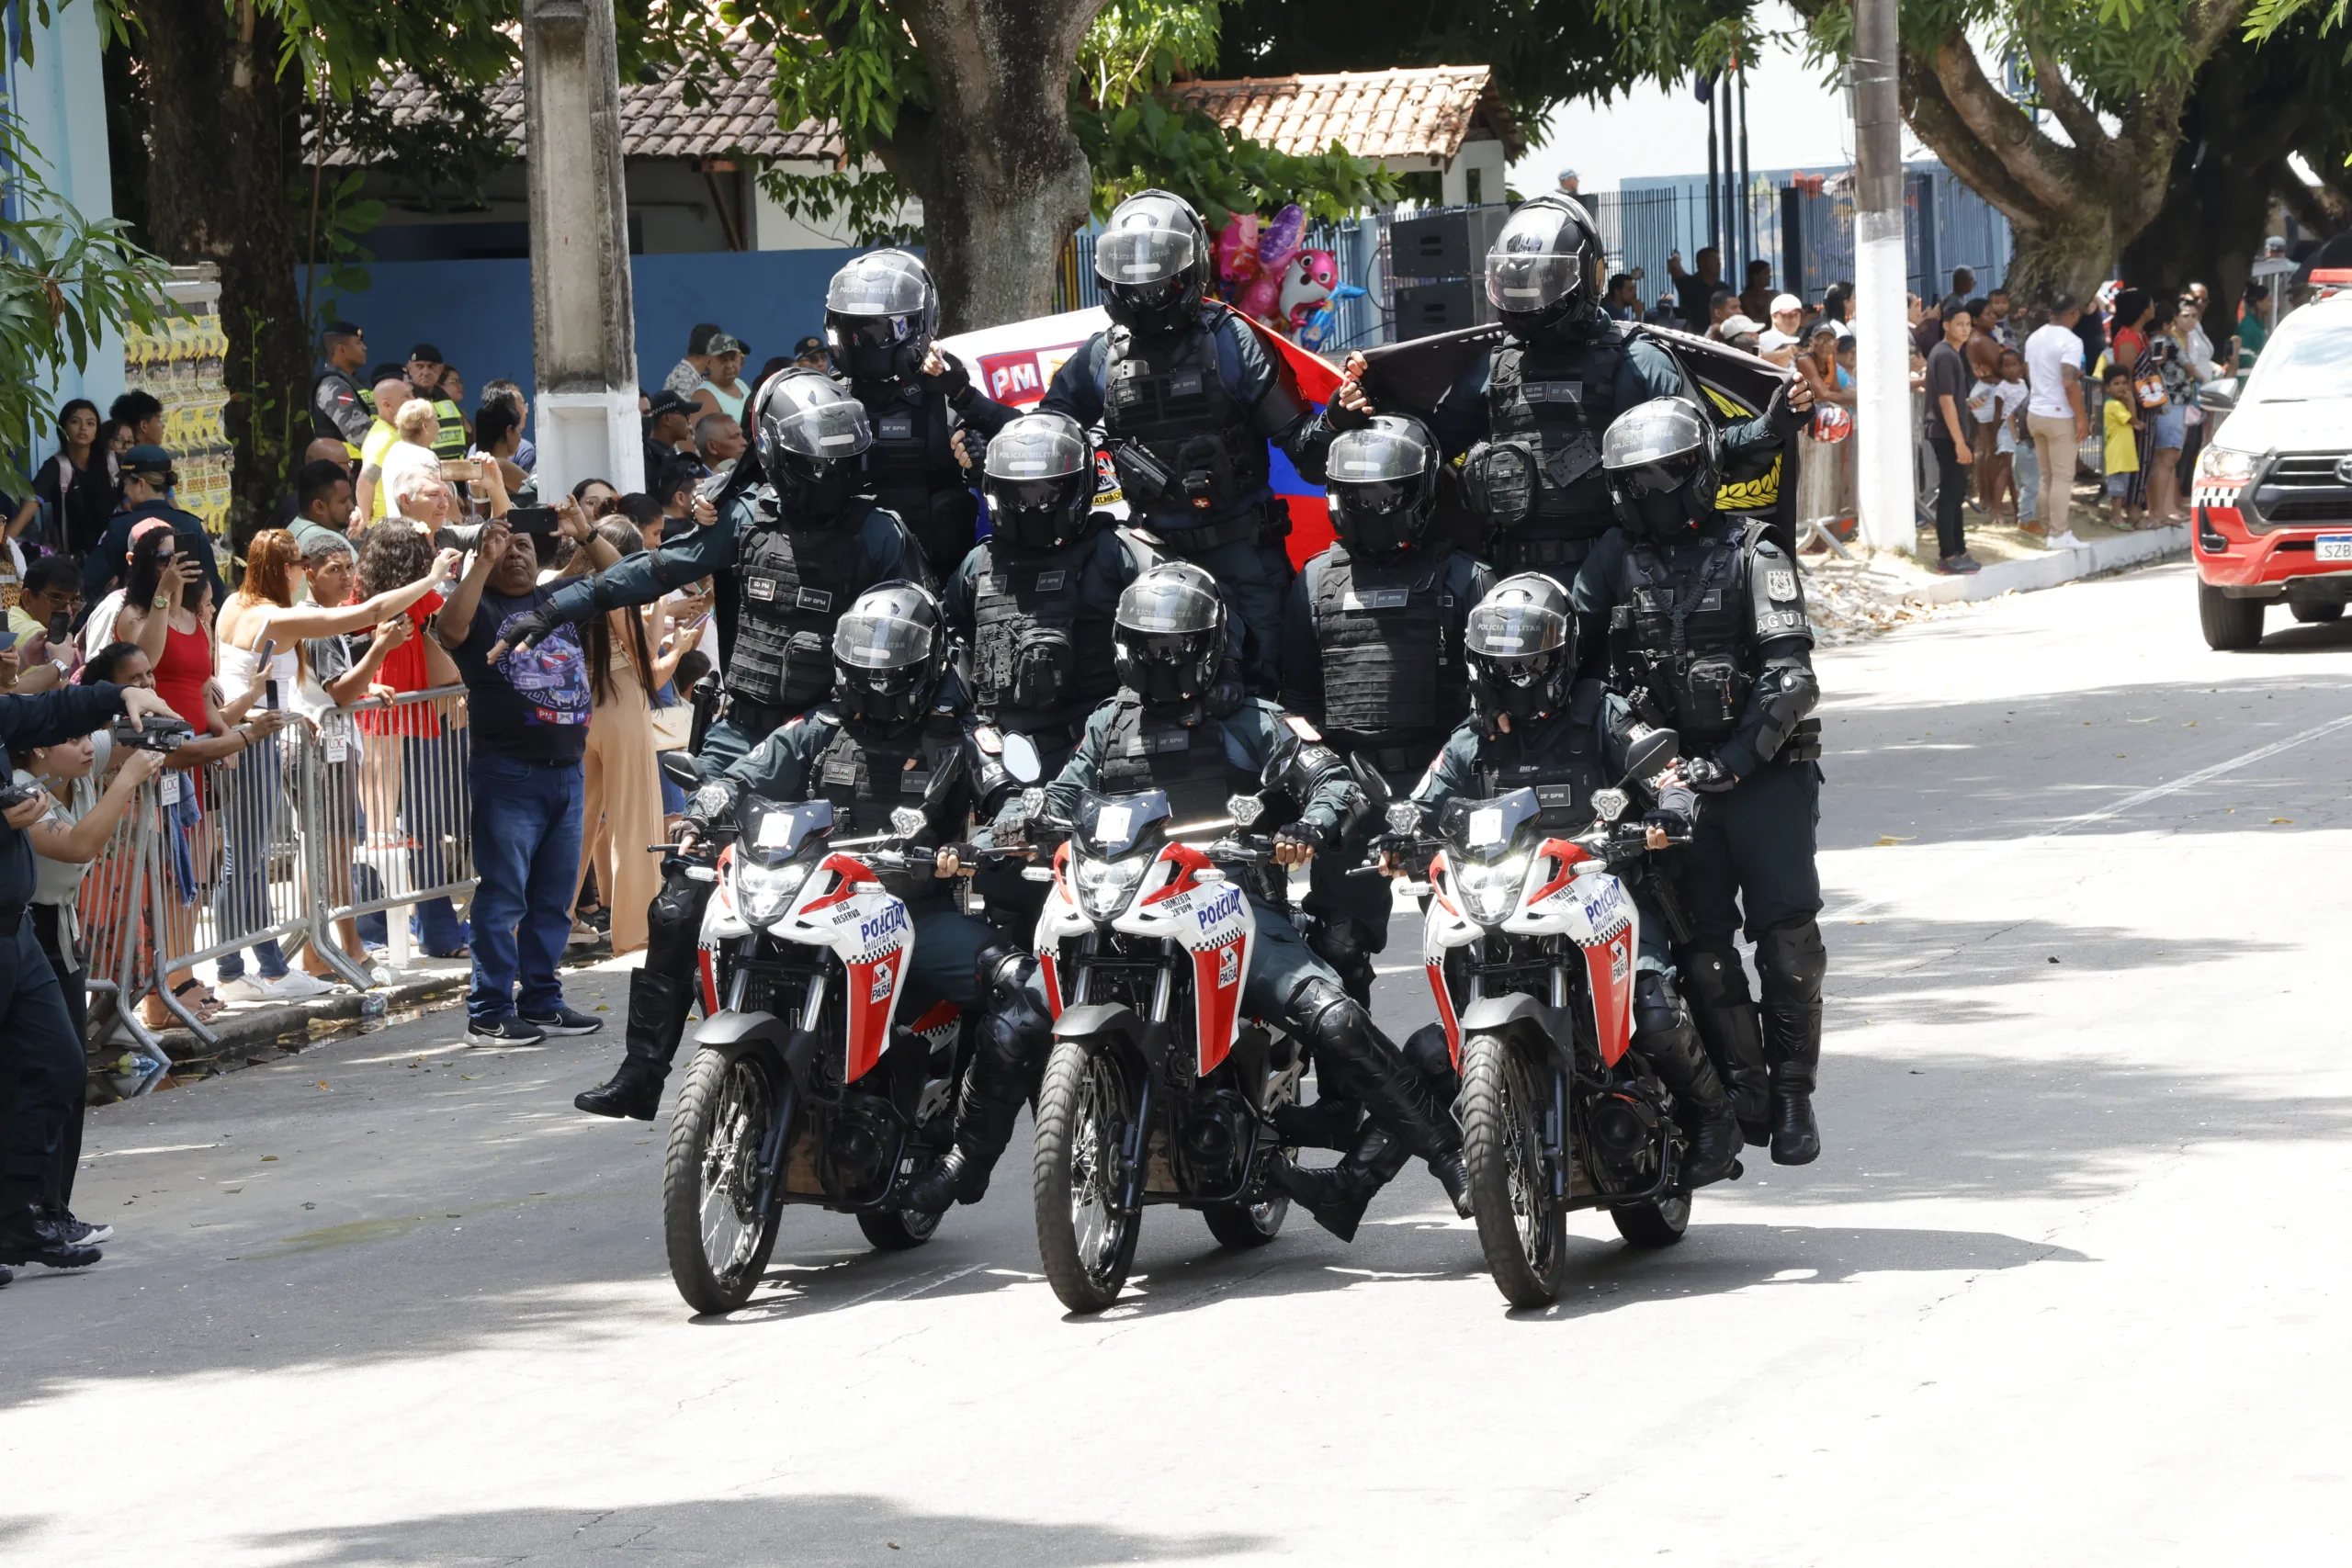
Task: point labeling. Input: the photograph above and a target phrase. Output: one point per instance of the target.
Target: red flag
(1303, 370)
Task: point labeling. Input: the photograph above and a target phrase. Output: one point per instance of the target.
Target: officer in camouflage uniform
(1705, 630)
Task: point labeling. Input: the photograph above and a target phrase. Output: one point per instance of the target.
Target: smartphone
(459, 470)
(8, 640)
(262, 652)
(532, 519)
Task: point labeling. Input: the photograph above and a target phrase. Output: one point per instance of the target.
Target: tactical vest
(449, 441)
(1390, 639)
(911, 470)
(867, 782)
(1167, 396)
(792, 585)
(1039, 654)
(1140, 752)
(1569, 767)
(1686, 641)
(1539, 478)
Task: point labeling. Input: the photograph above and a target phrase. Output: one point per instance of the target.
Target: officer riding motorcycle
(1539, 727)
(1188, 397)
(1706, 631)
(1159, 733)
(881, 316)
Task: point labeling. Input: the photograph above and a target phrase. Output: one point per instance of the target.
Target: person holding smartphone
(147, 481)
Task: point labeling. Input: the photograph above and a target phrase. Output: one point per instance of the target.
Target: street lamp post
(1882, 361)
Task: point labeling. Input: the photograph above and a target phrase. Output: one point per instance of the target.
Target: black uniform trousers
(1752, 855)
(41, 1067)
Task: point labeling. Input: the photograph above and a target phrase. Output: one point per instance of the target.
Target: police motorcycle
(1530, 941)
(1158, 1091)
(807, 1086)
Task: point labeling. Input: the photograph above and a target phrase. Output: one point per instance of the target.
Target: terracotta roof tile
(1423, 112)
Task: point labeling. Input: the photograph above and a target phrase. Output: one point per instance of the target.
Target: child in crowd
(2001, 405)
(2121, 423)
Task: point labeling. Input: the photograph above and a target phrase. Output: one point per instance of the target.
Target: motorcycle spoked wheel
(1085, 1239)
(1245, 1225)
(1522, 1229)
(725, 1119)
(1658, 1223)
(897, 1230)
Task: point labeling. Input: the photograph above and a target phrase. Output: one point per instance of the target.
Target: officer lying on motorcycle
(1701, 617)
(1158, 734)
(898, 732)
(1538, 728)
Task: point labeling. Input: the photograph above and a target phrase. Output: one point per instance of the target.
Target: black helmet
(1520, 643)
(1382, 479)
(812, 431)
(1661, 458)
(889, 656)
(1168, 634)
(881, 313)
(1040, 481)
(1547, 268)
(1152, 260)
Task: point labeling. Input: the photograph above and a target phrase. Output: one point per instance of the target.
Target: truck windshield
(2308, 365)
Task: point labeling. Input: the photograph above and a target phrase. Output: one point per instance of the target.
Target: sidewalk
(1884, 589)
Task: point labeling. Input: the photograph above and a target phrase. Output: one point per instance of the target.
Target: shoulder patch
(1301, 728)
(1781, 582)
(989, 739)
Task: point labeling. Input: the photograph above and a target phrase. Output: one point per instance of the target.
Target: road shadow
(816, 1531)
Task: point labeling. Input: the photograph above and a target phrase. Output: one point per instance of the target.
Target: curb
(269, 1026)
(2049, 569)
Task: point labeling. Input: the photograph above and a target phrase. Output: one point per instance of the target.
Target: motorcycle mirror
(1404, 816)
(906, 821)
(1651, 752)
(1244, 810)
(681, 769)
(1608, 805)
(1020, 760)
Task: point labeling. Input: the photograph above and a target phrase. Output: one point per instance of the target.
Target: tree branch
(2041, 175)
(2059, 96)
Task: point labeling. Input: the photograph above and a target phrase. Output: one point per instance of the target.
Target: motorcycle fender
(726, 1029)
(1115, 1026)
(1519, 1017)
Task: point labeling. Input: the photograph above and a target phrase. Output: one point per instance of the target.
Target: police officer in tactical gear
(1528, 417)
(1706, 631)
(1372, 655)
(1187, 398)
(881, 314)
(791, 553)
(897, 732)
(1539, 727)
(1159, 733)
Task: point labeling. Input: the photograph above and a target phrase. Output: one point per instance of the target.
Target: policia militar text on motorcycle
(1700, 619)
(792, 546)
(1187, 397)
(881, 316)
(1527, 417)
(1159, 733)
(1371, 656)
(1538, 728)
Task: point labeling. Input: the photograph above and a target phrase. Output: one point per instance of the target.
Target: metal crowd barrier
(309, 828)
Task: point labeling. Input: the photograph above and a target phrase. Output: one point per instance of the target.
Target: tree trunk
(1002, 180)
(218, 123)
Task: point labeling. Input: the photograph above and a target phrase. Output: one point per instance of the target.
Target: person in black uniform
(42, 1067)
(1157, 733)
(1528, 417)
(1538, 728)
(881, 313)
(1372, 655)
(1187, 398)
(339, 407)
(1705, 629)
(796, 546)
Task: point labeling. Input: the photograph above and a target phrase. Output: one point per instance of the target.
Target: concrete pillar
(1882, 419)
(584, 330)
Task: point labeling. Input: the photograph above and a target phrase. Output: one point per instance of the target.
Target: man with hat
(669, 427)
(147, 481)
(338, 409)
(427, 373)
(810, 354)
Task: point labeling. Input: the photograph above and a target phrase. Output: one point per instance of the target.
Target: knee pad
(1790, 961)
(1341, 944)
(1015, 1027)
(1333, 1023)
(1711, 975)
(1658, 1006)
(675, 914)
(1427, 1053)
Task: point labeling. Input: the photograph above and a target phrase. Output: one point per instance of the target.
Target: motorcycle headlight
(1103, 886)
(764, 892)
(1489, 893)
(2225, 467)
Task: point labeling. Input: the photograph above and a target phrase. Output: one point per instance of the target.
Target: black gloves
(951, 383)
(528, 631)
(1301, 834)
(1707, 776)
(1225, 698)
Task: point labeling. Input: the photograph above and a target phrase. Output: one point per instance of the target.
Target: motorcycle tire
(1086, 1241)
(727, 1116)
(1522, 1229)
(1658, 1223)
(897, 1230)
(1244, 1225)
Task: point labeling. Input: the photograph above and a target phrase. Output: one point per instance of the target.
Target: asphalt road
(2066, 1287)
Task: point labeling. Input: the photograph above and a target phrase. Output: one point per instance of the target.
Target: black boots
(983, 1126)
(1403, 1111)
(29, 1235)
(1330, 1124)
(1662, 1030)
(634, 1092)
(658, 1005)
(1715, 987)
(1790, 961)
(1007, 1057)
(1337, 1196)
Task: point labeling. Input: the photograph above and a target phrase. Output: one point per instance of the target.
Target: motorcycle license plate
(2334, 547)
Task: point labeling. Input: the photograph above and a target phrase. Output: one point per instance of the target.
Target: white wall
(1487, 158)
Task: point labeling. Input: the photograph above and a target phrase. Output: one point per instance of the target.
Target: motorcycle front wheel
(727, 1123)
(1085, 1239)
(1522, 1229)
(1658, 1223)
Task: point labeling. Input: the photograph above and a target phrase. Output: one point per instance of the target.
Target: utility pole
(583, 328)
(1882, 361)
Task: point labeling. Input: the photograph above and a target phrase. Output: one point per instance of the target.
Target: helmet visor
(1143, 256)
(1038, 447)
(1518, 281)
(878, 285)
(880, 644)
(1029, 495)
(1364, 456)
(1508, 633)
(830, 429)
(869, 331)
(1654, 448)
(1374, 498)
(1167, 606)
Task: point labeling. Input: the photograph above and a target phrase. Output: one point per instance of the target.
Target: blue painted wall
(478, 312)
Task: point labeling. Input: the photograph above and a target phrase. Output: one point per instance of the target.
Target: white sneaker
(297, 985)
(2067, 541)
(247, 990)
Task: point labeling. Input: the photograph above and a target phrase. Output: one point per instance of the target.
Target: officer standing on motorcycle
(1528, 417)
(1371, 656)
(881, 314)
(797, 549)
(1706, 631)
(1188, 397)
(897, 732)
(1157, 733)
(1539, 727)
